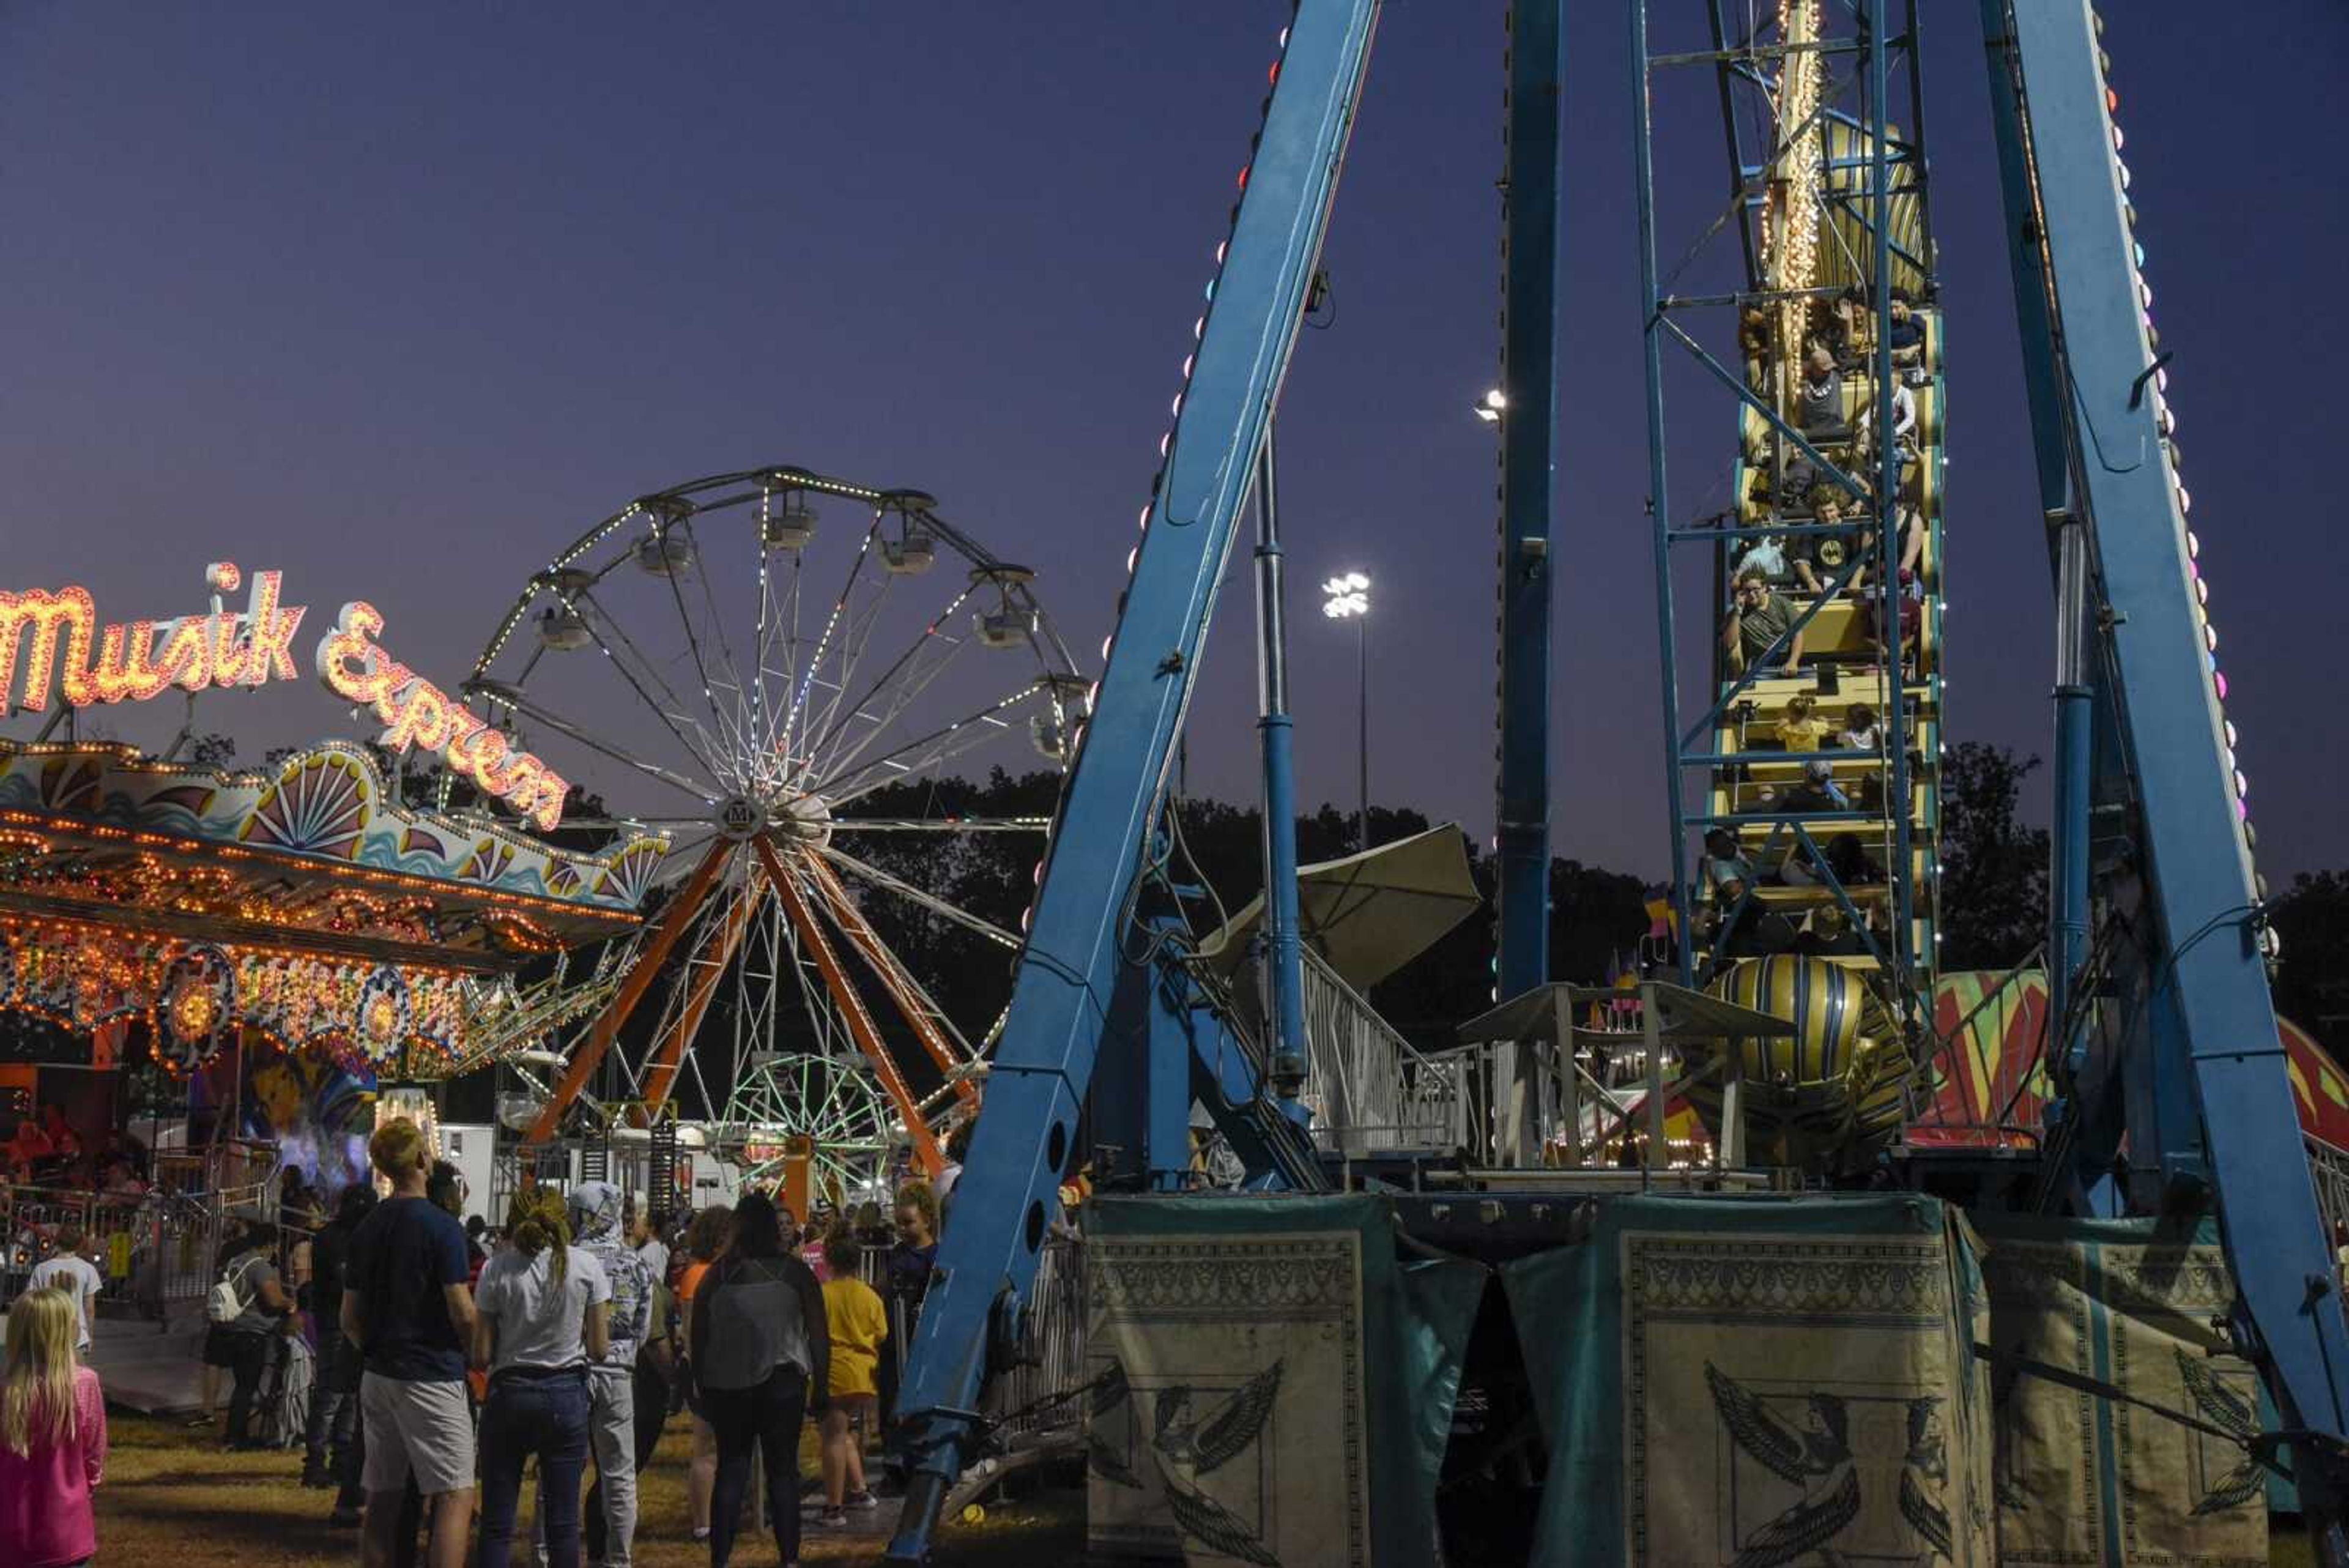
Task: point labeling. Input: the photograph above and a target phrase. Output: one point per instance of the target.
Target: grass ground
(172, 1498)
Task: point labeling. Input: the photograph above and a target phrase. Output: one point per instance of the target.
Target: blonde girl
(52, 1437)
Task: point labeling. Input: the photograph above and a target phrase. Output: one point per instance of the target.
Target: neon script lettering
(416, 712)
(52, 635)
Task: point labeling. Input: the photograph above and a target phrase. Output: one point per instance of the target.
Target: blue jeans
(544, 1416)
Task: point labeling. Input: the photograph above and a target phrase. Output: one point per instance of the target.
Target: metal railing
(1052, 1348)
(156, 1250)
(1368, 1084)
(1052, 1351)
(2328, 1171)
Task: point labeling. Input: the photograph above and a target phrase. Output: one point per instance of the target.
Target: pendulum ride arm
(867, 942)
(704, 970)
(1528, 473)
(2209, 1023)
(861, 1026)
(1044, 1060)
(606, 1028)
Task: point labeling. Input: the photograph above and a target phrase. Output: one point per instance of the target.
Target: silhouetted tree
(1994, 902)
(2311, 979)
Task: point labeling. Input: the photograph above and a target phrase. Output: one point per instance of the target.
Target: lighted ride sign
(56, 632)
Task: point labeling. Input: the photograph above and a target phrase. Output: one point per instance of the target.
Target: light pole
(1348, 597)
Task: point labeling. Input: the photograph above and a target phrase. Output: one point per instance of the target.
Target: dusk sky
(400, 299)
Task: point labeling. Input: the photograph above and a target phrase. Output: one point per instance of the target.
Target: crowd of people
(46, 1151)
(426, 1365)
(1820, 536)
(1809, 535)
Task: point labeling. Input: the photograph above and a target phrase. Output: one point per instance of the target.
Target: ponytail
(540, 1221)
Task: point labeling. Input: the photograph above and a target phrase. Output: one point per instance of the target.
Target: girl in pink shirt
(52, 1437)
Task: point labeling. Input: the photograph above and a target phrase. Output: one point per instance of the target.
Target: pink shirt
(45, 1508)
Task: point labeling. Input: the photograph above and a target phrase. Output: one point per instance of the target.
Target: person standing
(407, 1308)
(242, 1341)
(612, 1418)
(705, 1238)
(761, 1361)
(52, 1438)
(649, 1249)
(541, 1323)
(856, 1324)
(74, 1271)
(329, 1457)
(916, 1251)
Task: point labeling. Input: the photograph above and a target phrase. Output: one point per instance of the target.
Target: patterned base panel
(1798, 1398)
(2084, 1482)
(1233, 1426)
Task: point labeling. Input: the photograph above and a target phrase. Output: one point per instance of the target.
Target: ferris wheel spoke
(940, 825)
(928, 750)
(867, 872)
(823, 726)
(863, 727)
(778, 618)
(647, 675)
(910, 664)
(521, 701)
(728, 730)
(803, 681)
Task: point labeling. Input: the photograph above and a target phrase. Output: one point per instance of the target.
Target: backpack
(223, 1304)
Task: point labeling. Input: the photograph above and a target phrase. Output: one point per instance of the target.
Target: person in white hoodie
(597, 1209)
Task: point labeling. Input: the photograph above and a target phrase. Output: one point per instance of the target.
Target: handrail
(1366, 1077)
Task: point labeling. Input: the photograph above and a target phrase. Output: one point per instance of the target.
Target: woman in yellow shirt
(858, 1325)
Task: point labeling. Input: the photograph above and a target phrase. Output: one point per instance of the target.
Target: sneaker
(861, 1500)
(317, 1481)
(344, 1518)
(701, 1532)
(834, 1518)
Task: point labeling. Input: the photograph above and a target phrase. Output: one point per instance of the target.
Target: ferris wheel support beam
(851, 1007)
(867, 942)
(716, 952)
(590, 1051)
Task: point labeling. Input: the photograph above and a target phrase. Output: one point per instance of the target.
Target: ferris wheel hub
(804, 820)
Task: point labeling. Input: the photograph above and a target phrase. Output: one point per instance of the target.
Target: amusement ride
(759, 677)
(742, 664)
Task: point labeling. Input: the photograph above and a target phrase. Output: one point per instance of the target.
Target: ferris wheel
(747, 664)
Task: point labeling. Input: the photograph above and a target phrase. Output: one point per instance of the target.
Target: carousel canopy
(304, 903)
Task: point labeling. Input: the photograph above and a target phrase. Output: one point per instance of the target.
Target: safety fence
(1370, 1088)
(1051, 1355)
(156, 1250)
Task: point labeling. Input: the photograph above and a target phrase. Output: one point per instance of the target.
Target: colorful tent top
(325, 812)
(1991, 1087)
(303, 905)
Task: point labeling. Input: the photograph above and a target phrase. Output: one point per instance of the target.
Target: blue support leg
(1044, 1061)
(2209, 1020)
(1284, 955)
(1528, 437)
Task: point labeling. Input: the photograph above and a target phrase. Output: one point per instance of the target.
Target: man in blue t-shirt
(406, 1306)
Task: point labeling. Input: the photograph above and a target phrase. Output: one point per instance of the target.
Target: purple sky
(399, 299)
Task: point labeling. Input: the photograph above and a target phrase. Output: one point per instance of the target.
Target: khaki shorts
(424, 1429)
